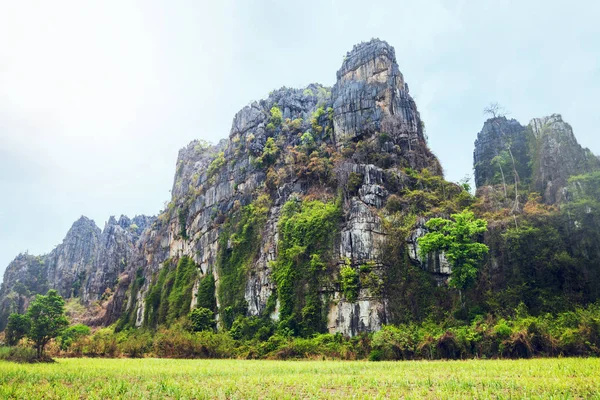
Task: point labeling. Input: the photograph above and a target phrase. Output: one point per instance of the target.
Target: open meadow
(84, 378)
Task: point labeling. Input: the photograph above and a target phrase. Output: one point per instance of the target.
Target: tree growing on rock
(494, 110)
(457, 238)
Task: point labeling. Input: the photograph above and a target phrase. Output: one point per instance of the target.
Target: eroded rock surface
(366, 130)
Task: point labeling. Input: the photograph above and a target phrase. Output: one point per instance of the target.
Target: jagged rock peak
(554, 122)
(545, 154)
(559, 157)
(368, 59)
(371, 97)
(137, 224)
(84, 226)
(495, 137)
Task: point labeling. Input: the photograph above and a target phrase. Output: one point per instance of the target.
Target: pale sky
(97, 97)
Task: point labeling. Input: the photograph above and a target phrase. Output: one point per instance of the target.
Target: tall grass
(250, 379)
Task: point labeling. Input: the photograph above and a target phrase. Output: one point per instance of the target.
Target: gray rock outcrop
(545, 153)
(367, 130)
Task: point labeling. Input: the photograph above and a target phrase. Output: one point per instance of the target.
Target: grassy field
(197, 379)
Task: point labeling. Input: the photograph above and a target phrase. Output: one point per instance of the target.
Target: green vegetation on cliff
(306, 233)
(239, 244)
(170, 293)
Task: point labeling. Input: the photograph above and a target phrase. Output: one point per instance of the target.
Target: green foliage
(206, 293)
(170, 294)
(543, 259)
(128, 317)
(182, 215)
(393, 204)
(202, 319)
(47, 319)
(457, 240)
(294, 125)
(502, 330)
(180, 296)
(216, 165)
(276, 116)
(316, 128)
(201, 146)
(306, 232)
(269, 154)
(179, 343)
(18, 354)
(586, 185)
(349, 283)
(252, 328)
(308, 141)
(239, 244)
(157, 296)
(17, 328)
(355, 181)
(134, 343)
(71, 334)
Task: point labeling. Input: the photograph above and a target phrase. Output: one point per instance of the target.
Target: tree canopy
(457, 239)
(47, 318)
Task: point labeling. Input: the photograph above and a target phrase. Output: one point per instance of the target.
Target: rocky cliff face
(84, 265)
(497, 136)
(370, 96)
(558, 157)
(544, 154)
(355, 144)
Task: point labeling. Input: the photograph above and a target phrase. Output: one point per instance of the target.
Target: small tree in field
(47, 318)
(457, 239)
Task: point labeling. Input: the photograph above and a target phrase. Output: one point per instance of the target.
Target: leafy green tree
(457, 239)
(202, 319)
(17, 328)
(71, 334)
(48, 320)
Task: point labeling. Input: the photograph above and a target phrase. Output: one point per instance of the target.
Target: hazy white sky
(96, 97)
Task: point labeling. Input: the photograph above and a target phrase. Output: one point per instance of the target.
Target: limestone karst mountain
(309, 212)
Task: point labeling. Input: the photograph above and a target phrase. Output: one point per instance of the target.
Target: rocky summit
(307, 214)
(544, 155)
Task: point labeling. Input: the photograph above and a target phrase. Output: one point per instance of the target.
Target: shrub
(447, 346)
(355, 181)
(216, 164)
(71, 334)
(349, 283)
(18, 354)
(502, 330)
(134, 343)
(178, 343)
(276, 116)
(202, 319)
(393, 204)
